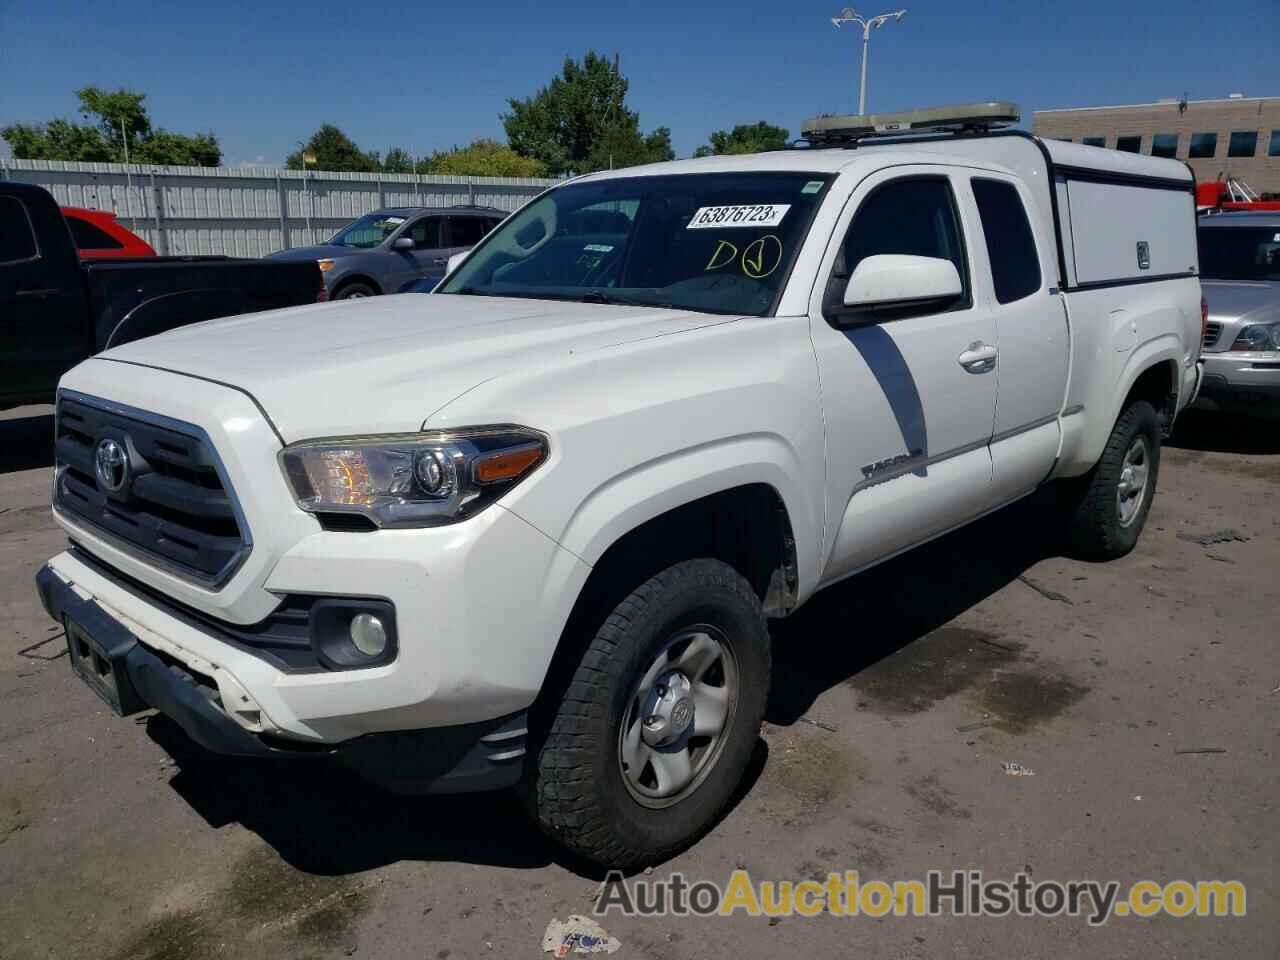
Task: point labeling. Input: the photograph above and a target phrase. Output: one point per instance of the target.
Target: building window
(1129, 144)
(1273, 150)
(1094, 141)
(1203, 145)
(1164, 145)
(1244, 143)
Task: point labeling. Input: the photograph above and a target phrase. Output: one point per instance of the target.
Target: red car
(98, 235)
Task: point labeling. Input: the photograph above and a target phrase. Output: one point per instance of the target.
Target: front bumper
(131, 677)
(480, 605)
(1241, 382)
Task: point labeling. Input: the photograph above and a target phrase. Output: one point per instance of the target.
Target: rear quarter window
(89, 237)
(1011, 246)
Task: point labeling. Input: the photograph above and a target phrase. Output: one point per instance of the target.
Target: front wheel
(1112, 501)
(355, 291)
(659, 721)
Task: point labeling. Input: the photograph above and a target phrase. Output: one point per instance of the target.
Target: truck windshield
(1239, 253)
(367, 232)
(712, 242)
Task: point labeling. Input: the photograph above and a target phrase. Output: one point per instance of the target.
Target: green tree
(57, 140)
(398, 161)
(334, 150)
(117, 115)
(580, 118)
(746, 138)
(484, 158)
(179, 150)
(111, 111)
(624, 146)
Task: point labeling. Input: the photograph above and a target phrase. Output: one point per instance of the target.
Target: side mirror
(402, 243)
(456, 259)
(897, 281)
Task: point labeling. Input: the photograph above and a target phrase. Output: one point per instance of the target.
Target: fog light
(368, 634)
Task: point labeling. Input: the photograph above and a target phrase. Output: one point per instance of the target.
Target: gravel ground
(898, 696)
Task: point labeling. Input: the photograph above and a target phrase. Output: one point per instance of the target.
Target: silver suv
(390, 250)
(1240, 276)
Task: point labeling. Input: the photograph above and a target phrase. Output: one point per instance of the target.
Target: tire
(577, 788)
(1107, 515)
(354, 291)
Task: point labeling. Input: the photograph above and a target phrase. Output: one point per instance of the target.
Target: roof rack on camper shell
(960, 118)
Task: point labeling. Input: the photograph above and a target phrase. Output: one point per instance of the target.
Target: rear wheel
(658, 723)
(1111, 502)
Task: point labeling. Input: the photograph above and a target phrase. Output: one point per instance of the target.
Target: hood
(385, 364)
(1241, 301)
(323, 251)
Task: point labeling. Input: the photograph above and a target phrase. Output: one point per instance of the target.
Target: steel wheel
(673, 729)
(1131, 491)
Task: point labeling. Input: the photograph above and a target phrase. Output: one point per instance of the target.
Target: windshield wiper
(599, 296)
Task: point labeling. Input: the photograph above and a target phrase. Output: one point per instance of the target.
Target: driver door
(908, 413)
(428, 256)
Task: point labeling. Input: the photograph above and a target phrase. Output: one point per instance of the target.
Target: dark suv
(389, 250)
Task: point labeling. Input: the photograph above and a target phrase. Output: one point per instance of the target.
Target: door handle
(440, 261)
(979, 358)
(43, 293)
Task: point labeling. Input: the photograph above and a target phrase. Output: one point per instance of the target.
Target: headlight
(1258, 336)
(412, 480)
(325, 265)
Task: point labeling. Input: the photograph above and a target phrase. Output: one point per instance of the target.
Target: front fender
(650, 489)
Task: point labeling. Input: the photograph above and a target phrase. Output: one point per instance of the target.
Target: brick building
(1234, 137)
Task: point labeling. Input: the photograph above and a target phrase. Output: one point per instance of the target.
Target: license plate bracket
(99, 649)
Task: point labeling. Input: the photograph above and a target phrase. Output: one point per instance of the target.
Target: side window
(465, 231)
(915, 216)
(17, 241)
(1011, 246)
(89, 237)
(426, 233)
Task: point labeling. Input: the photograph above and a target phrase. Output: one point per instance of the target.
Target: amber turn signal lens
(506, 465)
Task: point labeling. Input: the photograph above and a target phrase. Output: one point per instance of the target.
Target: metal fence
(250, 211)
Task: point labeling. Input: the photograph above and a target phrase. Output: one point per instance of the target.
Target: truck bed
(132, 299)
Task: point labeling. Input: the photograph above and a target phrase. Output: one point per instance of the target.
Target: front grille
(1212, 331)
(174, 507)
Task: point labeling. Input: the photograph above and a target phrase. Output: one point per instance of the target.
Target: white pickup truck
(529, 529)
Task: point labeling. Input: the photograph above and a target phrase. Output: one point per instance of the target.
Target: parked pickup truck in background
(528, 529)
(56, 309)
(1240, 274)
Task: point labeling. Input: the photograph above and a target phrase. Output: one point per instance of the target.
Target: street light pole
(850, 15)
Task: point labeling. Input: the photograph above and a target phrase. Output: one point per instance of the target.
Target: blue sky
(262, 75)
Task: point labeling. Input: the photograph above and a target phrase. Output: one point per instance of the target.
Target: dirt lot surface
(898, 697)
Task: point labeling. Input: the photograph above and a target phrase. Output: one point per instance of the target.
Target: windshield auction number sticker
(739, 215)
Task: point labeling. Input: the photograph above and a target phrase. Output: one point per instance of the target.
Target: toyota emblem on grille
(111, 465)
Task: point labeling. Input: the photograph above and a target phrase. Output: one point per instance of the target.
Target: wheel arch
(747, 525)
(351, 278)
(1152, 373)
